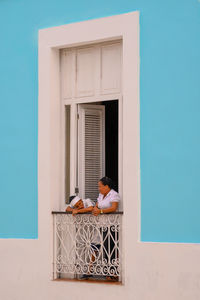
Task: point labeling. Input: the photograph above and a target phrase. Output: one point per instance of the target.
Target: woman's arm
(82, 210)
(96, 211)
(111, 209)
(69, 208)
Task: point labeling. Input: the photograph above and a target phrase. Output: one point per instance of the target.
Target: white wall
(157, 271)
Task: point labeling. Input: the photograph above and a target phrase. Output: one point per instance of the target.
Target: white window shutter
(91, 149)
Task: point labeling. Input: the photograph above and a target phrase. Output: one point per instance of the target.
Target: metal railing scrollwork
(87, 245)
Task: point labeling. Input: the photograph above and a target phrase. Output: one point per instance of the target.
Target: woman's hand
(96, 211)
(74, 212)
(68, 209)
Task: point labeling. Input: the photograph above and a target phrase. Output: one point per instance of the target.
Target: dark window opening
(111, 140)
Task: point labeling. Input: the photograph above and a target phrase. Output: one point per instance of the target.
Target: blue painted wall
(170, 111)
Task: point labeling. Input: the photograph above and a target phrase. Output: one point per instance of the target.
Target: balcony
(87, 247)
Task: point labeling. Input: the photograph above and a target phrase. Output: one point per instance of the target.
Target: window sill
(89, 281)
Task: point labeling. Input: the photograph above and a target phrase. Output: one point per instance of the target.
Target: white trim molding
(126, 28)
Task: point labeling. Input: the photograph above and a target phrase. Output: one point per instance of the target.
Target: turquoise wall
(170, 111)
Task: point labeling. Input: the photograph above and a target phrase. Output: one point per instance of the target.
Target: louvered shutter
(91, 149)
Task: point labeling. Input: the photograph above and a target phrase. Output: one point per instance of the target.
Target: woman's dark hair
(71, 198)
(108, 181)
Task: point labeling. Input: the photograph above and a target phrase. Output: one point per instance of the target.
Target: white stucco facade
(151, 270)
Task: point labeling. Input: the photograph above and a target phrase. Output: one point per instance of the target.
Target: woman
(108, 199)
(107, 202)
(78, 205)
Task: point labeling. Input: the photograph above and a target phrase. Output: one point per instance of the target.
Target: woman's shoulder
(114, 192)
(115, 195)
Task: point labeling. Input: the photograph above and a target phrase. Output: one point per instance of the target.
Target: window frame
(50, 143)
(74, 101)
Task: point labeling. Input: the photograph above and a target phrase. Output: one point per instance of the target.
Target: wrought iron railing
(87, 246)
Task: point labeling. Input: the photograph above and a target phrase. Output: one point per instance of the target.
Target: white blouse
(106, 202)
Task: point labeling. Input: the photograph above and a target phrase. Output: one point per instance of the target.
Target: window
(53, 102)
(92, 103)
